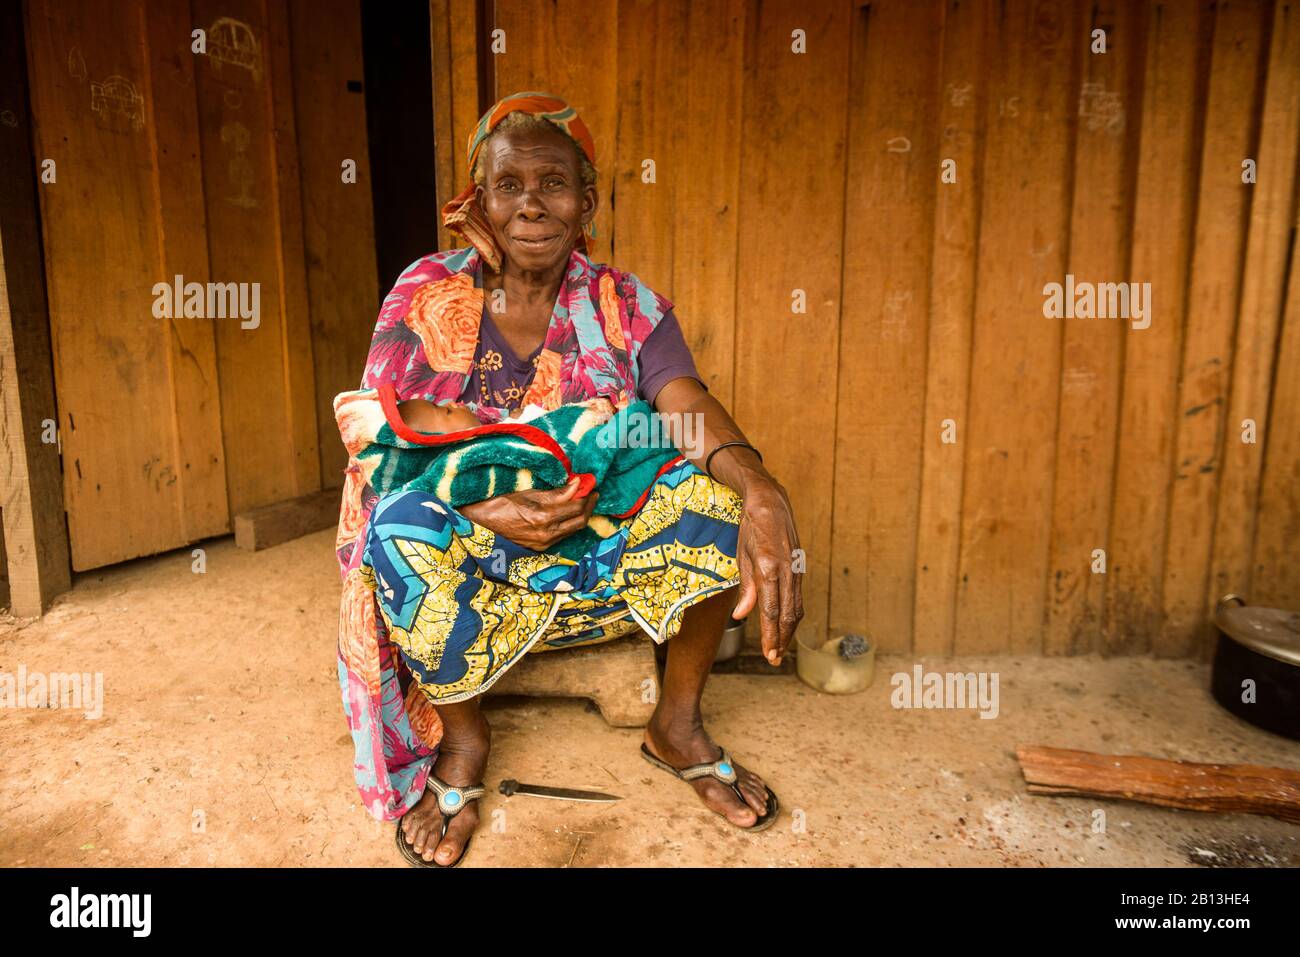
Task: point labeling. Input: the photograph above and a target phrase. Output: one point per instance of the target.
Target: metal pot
(733, 637)
(1256, 670)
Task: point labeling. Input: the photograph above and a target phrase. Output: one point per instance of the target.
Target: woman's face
(533, 197)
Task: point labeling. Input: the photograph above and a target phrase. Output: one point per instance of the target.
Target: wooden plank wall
(337, 217)
(222, 167)
(820, 171)
(34, 562)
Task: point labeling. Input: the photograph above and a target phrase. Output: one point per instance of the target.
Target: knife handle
(508, 786)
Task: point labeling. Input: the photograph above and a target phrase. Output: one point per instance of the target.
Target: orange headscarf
(462, 214)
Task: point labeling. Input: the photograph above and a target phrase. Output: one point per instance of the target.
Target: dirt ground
(222, 742)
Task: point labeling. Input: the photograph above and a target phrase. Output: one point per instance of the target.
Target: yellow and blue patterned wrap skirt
(463, 604)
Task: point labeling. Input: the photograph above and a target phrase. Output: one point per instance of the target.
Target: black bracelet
(724, 445)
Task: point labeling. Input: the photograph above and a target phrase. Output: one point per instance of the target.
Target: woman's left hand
(766, 553)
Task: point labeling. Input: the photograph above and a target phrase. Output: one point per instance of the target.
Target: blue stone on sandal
(453, 797)
(724, 768)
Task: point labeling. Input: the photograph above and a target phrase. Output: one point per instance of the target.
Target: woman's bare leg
(676, 732)
(462, 759)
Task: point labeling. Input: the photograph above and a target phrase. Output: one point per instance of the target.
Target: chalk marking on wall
(117, 105)
(233, 42)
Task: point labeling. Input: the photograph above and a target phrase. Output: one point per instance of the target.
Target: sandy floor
(223, 743)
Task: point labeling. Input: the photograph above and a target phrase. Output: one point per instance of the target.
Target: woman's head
(536, 189)
(532, 192)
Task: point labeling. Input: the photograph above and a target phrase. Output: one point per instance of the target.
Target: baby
(424, 416)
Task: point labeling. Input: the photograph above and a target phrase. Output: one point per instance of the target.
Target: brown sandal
(451, 801)
(724, 770)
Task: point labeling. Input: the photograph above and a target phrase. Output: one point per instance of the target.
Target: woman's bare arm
(768, 538)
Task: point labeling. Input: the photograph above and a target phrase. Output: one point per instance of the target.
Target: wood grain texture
(338, 218)
(183, 251)
(254, 216)
(280, 522)
(1225, 788)
(1015, 363)
(706, 181)
(123, 473)
(776, 171)
(1231, 120)
(650, 163)
(1276, 575)
(295, 321)
(1168, 158)
(790, 243)
(569, 49)
(894, 162)
(1108, 117)
(964, 102)
(34, 562)
(1268, 245)
(1070, 431)
(453, 26)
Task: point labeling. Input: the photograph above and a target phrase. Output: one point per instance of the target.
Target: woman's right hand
(536, 518)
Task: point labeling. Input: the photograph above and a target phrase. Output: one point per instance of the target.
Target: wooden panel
(964, 102)
(1222, 209)
(1092, 348)
(707, 190)
(1011, 439)
(250, 176)
(454, 27)
(1276, 577)
(571, 51)
(34, 565)
(447, 166)
(128, 489)
(651, 53)
(1164, 211)
(893, 146)
(289, 258)
(791, 238)
(1073, 434)
(338, 224)
(178, 185)
(1263, 285)
(468, 102)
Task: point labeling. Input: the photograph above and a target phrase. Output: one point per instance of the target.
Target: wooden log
(612, 674)
(280, 522)
(1244, 788)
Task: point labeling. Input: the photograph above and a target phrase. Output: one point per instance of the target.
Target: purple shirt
(505, 376)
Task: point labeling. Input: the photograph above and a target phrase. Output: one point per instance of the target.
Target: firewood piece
(1245, 788)
(272, 524)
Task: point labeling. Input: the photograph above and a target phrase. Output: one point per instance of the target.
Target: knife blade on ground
(511, 786)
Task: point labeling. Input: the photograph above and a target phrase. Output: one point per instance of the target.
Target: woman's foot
(462, 759)
(682, 743)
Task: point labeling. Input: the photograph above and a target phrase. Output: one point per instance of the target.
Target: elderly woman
(440, 601)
